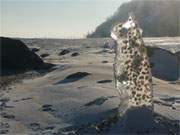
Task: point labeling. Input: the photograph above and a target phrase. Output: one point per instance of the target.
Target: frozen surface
(43, 106)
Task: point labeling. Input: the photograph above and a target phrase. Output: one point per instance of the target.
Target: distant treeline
(157, 18)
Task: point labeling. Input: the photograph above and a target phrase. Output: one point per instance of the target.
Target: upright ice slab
(133, 77)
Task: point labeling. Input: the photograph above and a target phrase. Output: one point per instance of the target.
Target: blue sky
(54, 18)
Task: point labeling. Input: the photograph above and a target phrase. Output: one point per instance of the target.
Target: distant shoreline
(81, 38)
